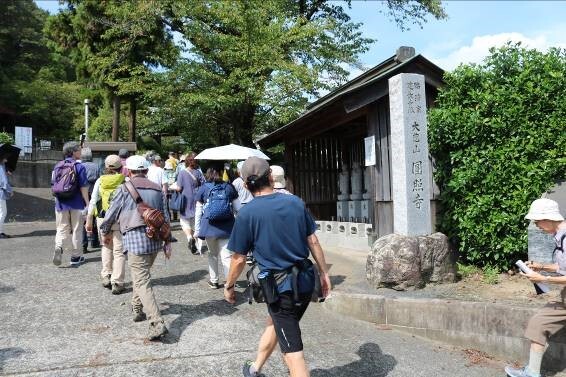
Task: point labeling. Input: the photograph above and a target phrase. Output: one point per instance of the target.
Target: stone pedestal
(354, 210)
(342, 211)
(365, 211)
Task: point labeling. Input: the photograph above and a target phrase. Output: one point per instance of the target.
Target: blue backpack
(218, 206)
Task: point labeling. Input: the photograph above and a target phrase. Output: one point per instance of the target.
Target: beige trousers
(143, 293)
(546, 322)
(69, 223)
(218, 247)
(113, 257)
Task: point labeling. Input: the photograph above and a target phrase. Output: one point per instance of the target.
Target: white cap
(544, 209)
(136, 163)
(278, 175)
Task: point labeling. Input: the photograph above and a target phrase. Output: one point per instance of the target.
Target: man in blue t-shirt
(280, 232)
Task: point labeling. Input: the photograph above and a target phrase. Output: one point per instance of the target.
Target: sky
(471, 29)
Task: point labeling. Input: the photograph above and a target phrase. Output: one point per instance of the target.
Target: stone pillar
(410, 168)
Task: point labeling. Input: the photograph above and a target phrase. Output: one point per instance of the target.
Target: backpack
(107, 189)
(156, 226)
(65, 182)
(218, 205)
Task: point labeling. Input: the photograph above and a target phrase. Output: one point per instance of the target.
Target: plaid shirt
(136, 242)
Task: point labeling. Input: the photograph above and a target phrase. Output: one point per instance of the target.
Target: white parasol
(230, 152)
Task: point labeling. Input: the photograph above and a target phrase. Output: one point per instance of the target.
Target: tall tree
(253, 66)
(115, 44)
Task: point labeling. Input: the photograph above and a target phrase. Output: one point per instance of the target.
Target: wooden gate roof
(352, 96)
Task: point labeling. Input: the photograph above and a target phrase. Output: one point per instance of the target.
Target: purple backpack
(65, 180)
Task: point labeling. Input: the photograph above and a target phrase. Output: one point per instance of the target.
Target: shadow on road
(25, 207)
(186, 314)
(6, 288)
(9, 353)
(175, 280)
(37, 233)
(337, 279)
(554, 354)
(372, 363)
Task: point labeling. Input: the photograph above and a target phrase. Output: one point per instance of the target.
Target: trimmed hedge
(498, 137)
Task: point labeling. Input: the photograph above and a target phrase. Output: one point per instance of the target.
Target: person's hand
(88, 227)
(84, 212)
(535, 277)
(106, 239)
(535, 266)
(167, 250)
(325, 284)
(230, 294)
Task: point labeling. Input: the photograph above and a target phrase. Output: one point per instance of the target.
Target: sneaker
(193, 246)
(157, 330)
(77, 261)
(85, 249)
(118, 289)
(214, 285)
(247, 372)
(522, 372)
(57, 255)
(139, 315)
(106, 282)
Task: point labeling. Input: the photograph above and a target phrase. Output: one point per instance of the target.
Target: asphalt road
(59, 321)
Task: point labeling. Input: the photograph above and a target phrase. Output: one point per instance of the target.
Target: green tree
(253, 66)
(498, 137)
(115, 44)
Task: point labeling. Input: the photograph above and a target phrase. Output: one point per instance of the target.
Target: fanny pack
(263, 286)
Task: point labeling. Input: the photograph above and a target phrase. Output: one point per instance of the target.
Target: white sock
(535, 360)
(189, 237)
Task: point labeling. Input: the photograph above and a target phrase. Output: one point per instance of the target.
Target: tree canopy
(498, 138)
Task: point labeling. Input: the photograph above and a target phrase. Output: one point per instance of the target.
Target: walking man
(258, 228)
(70, 186)
(6, 193)
(141, 249)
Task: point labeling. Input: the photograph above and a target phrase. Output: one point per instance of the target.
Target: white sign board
(24, 139)
(369, 143)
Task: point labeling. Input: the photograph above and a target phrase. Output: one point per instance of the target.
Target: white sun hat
(544, 209)
(137, 163)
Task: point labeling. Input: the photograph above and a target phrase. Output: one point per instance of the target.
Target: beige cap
(278, 175)
(544, 209)
(113, 161)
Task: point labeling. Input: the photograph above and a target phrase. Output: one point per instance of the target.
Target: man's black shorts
(286, 316)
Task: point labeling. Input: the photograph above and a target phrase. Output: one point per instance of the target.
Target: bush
(497, 137)
(6, 138)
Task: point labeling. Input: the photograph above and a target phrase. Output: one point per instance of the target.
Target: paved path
(59, 321)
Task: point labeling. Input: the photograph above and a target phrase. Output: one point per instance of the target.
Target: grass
(489, 275)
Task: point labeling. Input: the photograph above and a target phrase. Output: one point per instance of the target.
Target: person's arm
(84, 194)
(237, 264)
(92, 205)
(112, 215)
(198, 217)
(536, 266)
(318, 255)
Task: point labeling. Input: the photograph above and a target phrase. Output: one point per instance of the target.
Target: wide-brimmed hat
(544, 209)
(278, 175)
(113, 161)
(136, 163)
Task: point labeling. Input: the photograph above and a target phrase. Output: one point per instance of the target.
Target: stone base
(342, 211)
(355, 211)
(365, 211)
(341, 235)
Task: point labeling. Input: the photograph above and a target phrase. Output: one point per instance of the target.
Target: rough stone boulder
(399, 262)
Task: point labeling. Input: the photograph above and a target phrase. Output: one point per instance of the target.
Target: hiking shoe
(118, 289)
(156, 330)
(522, 372)
(106, 282)
(214, 285)
(247, 372)
(77, 261)
(139, 315)
(57, 255)
(193, 246)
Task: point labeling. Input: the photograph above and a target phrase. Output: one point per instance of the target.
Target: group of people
(234, 219)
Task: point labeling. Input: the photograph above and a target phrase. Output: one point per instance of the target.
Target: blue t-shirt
(275, 228)
(219, 229)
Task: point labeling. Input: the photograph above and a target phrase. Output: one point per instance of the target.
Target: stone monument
(344, 187)
(410, 175)
(355, 203)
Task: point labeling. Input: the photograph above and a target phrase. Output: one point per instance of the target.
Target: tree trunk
(244, 131)
(116, 117)
(132, 120)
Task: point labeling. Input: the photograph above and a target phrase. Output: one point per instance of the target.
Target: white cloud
(479, 48)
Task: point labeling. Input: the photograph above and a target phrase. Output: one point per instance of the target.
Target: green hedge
(498, 136)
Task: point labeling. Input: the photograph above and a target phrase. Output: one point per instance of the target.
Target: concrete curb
(495, 329)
